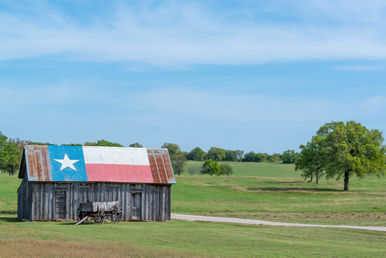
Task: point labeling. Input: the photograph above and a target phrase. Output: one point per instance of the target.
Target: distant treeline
(219, 154)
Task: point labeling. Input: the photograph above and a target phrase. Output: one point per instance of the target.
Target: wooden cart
(99, 211)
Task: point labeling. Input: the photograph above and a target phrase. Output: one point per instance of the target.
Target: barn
(56, 179)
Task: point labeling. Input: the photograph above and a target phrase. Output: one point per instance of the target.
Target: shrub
(226, 169)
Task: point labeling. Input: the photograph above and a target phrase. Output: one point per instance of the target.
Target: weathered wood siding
(155, 199)
(24, 200)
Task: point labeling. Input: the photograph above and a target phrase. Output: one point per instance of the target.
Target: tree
(177, 157)
(10, 160)
(103, 142)
(216, 154)
(262, 157)
(172, 148)
(230, 155)
(210, 167)
(349, 149)
(3, 140)
(10, 154)
(196, 154)
(136, 145)
(311, 159)
(178, 162)
(250, 157)
(226, 169)
(239, 154)
(352, 149)
(289, 156)
(274, 158)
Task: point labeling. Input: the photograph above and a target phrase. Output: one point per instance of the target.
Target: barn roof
(46, 163)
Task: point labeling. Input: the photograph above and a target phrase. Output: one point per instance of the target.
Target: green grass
(261, 191)
(277, 192)
(178, 238)
(8, 193)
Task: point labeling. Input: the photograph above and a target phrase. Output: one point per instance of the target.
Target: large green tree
(350, 149)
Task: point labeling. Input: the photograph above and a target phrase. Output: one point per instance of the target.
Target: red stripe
(119, 173)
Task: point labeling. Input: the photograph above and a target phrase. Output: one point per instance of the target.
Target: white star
(67, 163)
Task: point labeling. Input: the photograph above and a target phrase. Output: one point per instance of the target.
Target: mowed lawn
(270, 191)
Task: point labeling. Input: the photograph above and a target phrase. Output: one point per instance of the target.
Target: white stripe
(115, 155)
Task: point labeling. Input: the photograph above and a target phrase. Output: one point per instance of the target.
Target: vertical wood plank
(68, 205)
(32, 201)
(44, 200)
(169, 201)
(41, 198)
(50, 199)
(163, 203)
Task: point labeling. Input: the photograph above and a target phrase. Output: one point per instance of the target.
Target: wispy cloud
(174, 34)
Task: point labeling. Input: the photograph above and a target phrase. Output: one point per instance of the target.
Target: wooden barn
(56, 179)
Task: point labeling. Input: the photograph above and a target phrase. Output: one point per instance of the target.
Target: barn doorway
(60, 204)
(136, 206)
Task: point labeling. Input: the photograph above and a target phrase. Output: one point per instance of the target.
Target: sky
(258, 76)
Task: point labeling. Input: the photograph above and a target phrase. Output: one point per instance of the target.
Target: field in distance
(255, 190)
(277, 192)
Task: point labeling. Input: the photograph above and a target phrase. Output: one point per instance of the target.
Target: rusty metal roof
(43, 163)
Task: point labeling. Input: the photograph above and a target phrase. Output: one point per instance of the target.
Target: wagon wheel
(79, 214)
(95, 217)
(119, 215)
(116, 216)
(100, 216)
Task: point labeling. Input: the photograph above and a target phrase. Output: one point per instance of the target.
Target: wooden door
(136, 206)
(60, 204)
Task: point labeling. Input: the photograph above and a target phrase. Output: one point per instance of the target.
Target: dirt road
(263, 222)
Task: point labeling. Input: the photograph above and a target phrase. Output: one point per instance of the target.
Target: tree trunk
(311, 178)
(317, 177)
(346, 179)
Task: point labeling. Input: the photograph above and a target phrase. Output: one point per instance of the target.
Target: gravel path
(263, 222)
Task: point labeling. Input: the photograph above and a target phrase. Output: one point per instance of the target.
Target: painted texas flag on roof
(97, 164)
(76, 163)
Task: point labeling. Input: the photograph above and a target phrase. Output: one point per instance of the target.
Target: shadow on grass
(8, 212)
(9, 219)
(293, 189)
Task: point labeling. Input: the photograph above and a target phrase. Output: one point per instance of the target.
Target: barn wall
(155, 199)
(24, 200)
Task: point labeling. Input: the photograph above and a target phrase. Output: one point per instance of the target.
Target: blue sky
(250, 75)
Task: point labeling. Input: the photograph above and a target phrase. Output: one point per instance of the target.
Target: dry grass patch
(59, 248)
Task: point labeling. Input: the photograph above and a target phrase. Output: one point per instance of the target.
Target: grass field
(263, 191)
(277, 192)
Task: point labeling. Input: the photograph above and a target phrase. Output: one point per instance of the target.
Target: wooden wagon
(99, 211)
